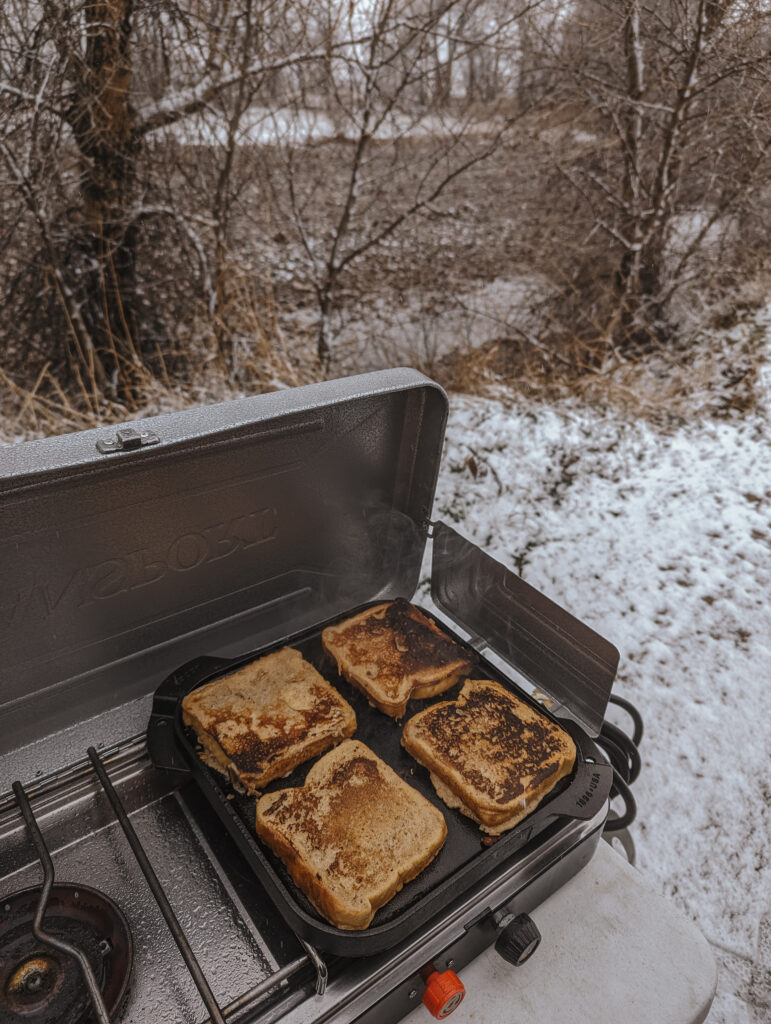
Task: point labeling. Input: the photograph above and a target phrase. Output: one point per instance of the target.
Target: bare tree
(162, 159)
(384, 177)
(66, 85)
(661, 79)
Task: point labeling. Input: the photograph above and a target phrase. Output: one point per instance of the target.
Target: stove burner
(40, 985)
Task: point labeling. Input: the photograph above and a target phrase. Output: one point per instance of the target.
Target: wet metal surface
(231, 951)
(51, 753)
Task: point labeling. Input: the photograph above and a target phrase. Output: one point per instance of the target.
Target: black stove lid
(246, 522)
(548, 645)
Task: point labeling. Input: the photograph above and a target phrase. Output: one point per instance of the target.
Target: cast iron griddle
(463, 860)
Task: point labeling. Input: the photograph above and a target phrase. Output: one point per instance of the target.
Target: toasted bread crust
(352, 835)
(260, 722)
(392, 652)
(491, 756)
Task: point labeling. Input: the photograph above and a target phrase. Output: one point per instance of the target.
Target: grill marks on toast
(485, 721)
(251, 751)
(393, 652)
(268, 717)
(491, 755)
(352, 835)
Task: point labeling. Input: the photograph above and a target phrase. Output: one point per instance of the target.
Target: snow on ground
(302, 125)
(424, 325)
(659, 539)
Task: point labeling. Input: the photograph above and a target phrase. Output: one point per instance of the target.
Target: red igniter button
(444, 993)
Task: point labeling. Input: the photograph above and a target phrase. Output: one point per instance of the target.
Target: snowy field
(300, 126)
(659, 538)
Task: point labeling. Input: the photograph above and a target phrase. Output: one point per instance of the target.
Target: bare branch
(176, 106)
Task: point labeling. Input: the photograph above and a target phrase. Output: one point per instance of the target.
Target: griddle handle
(162, 746)
(183, 680)
(161, 742)
(588, 792)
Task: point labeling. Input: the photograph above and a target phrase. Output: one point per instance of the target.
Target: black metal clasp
(127, 440)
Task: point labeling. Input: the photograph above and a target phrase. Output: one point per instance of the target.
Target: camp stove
(138, 564)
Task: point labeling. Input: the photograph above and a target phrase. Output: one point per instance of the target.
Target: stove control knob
(518, 940)
(444, 993)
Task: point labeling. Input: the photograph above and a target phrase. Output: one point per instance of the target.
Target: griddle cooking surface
(382, 734)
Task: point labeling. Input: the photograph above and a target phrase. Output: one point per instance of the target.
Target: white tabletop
(613, 951)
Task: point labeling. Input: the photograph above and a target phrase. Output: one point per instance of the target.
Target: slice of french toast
(265, 719)
(491, 755)
(393, 653)
(352, 835)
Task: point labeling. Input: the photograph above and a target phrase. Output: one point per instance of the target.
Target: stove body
(240, 526)
(239, 938)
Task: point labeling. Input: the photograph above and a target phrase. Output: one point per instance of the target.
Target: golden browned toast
(263, 720)
(490, 755)
(393, 652)
(352, 835)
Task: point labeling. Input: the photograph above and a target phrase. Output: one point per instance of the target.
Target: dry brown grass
(716, 374)
(239, 350)
(244, 336)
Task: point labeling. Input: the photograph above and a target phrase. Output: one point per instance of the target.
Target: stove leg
(627, 843)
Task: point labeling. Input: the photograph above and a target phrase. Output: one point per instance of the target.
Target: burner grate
(48, 940)
(71, 953)
(157, 890)
(40, 979)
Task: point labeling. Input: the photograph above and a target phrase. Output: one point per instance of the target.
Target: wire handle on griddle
(625, 758)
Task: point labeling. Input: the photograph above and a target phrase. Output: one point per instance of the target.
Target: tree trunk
(103, 122)
(629, 282)
(442, 68)
(639, 280)
(525, 86)
(323, 350)
(471, 78)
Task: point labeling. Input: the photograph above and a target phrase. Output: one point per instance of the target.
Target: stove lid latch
(127, 440)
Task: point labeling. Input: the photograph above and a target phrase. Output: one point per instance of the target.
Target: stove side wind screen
(549, 646)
